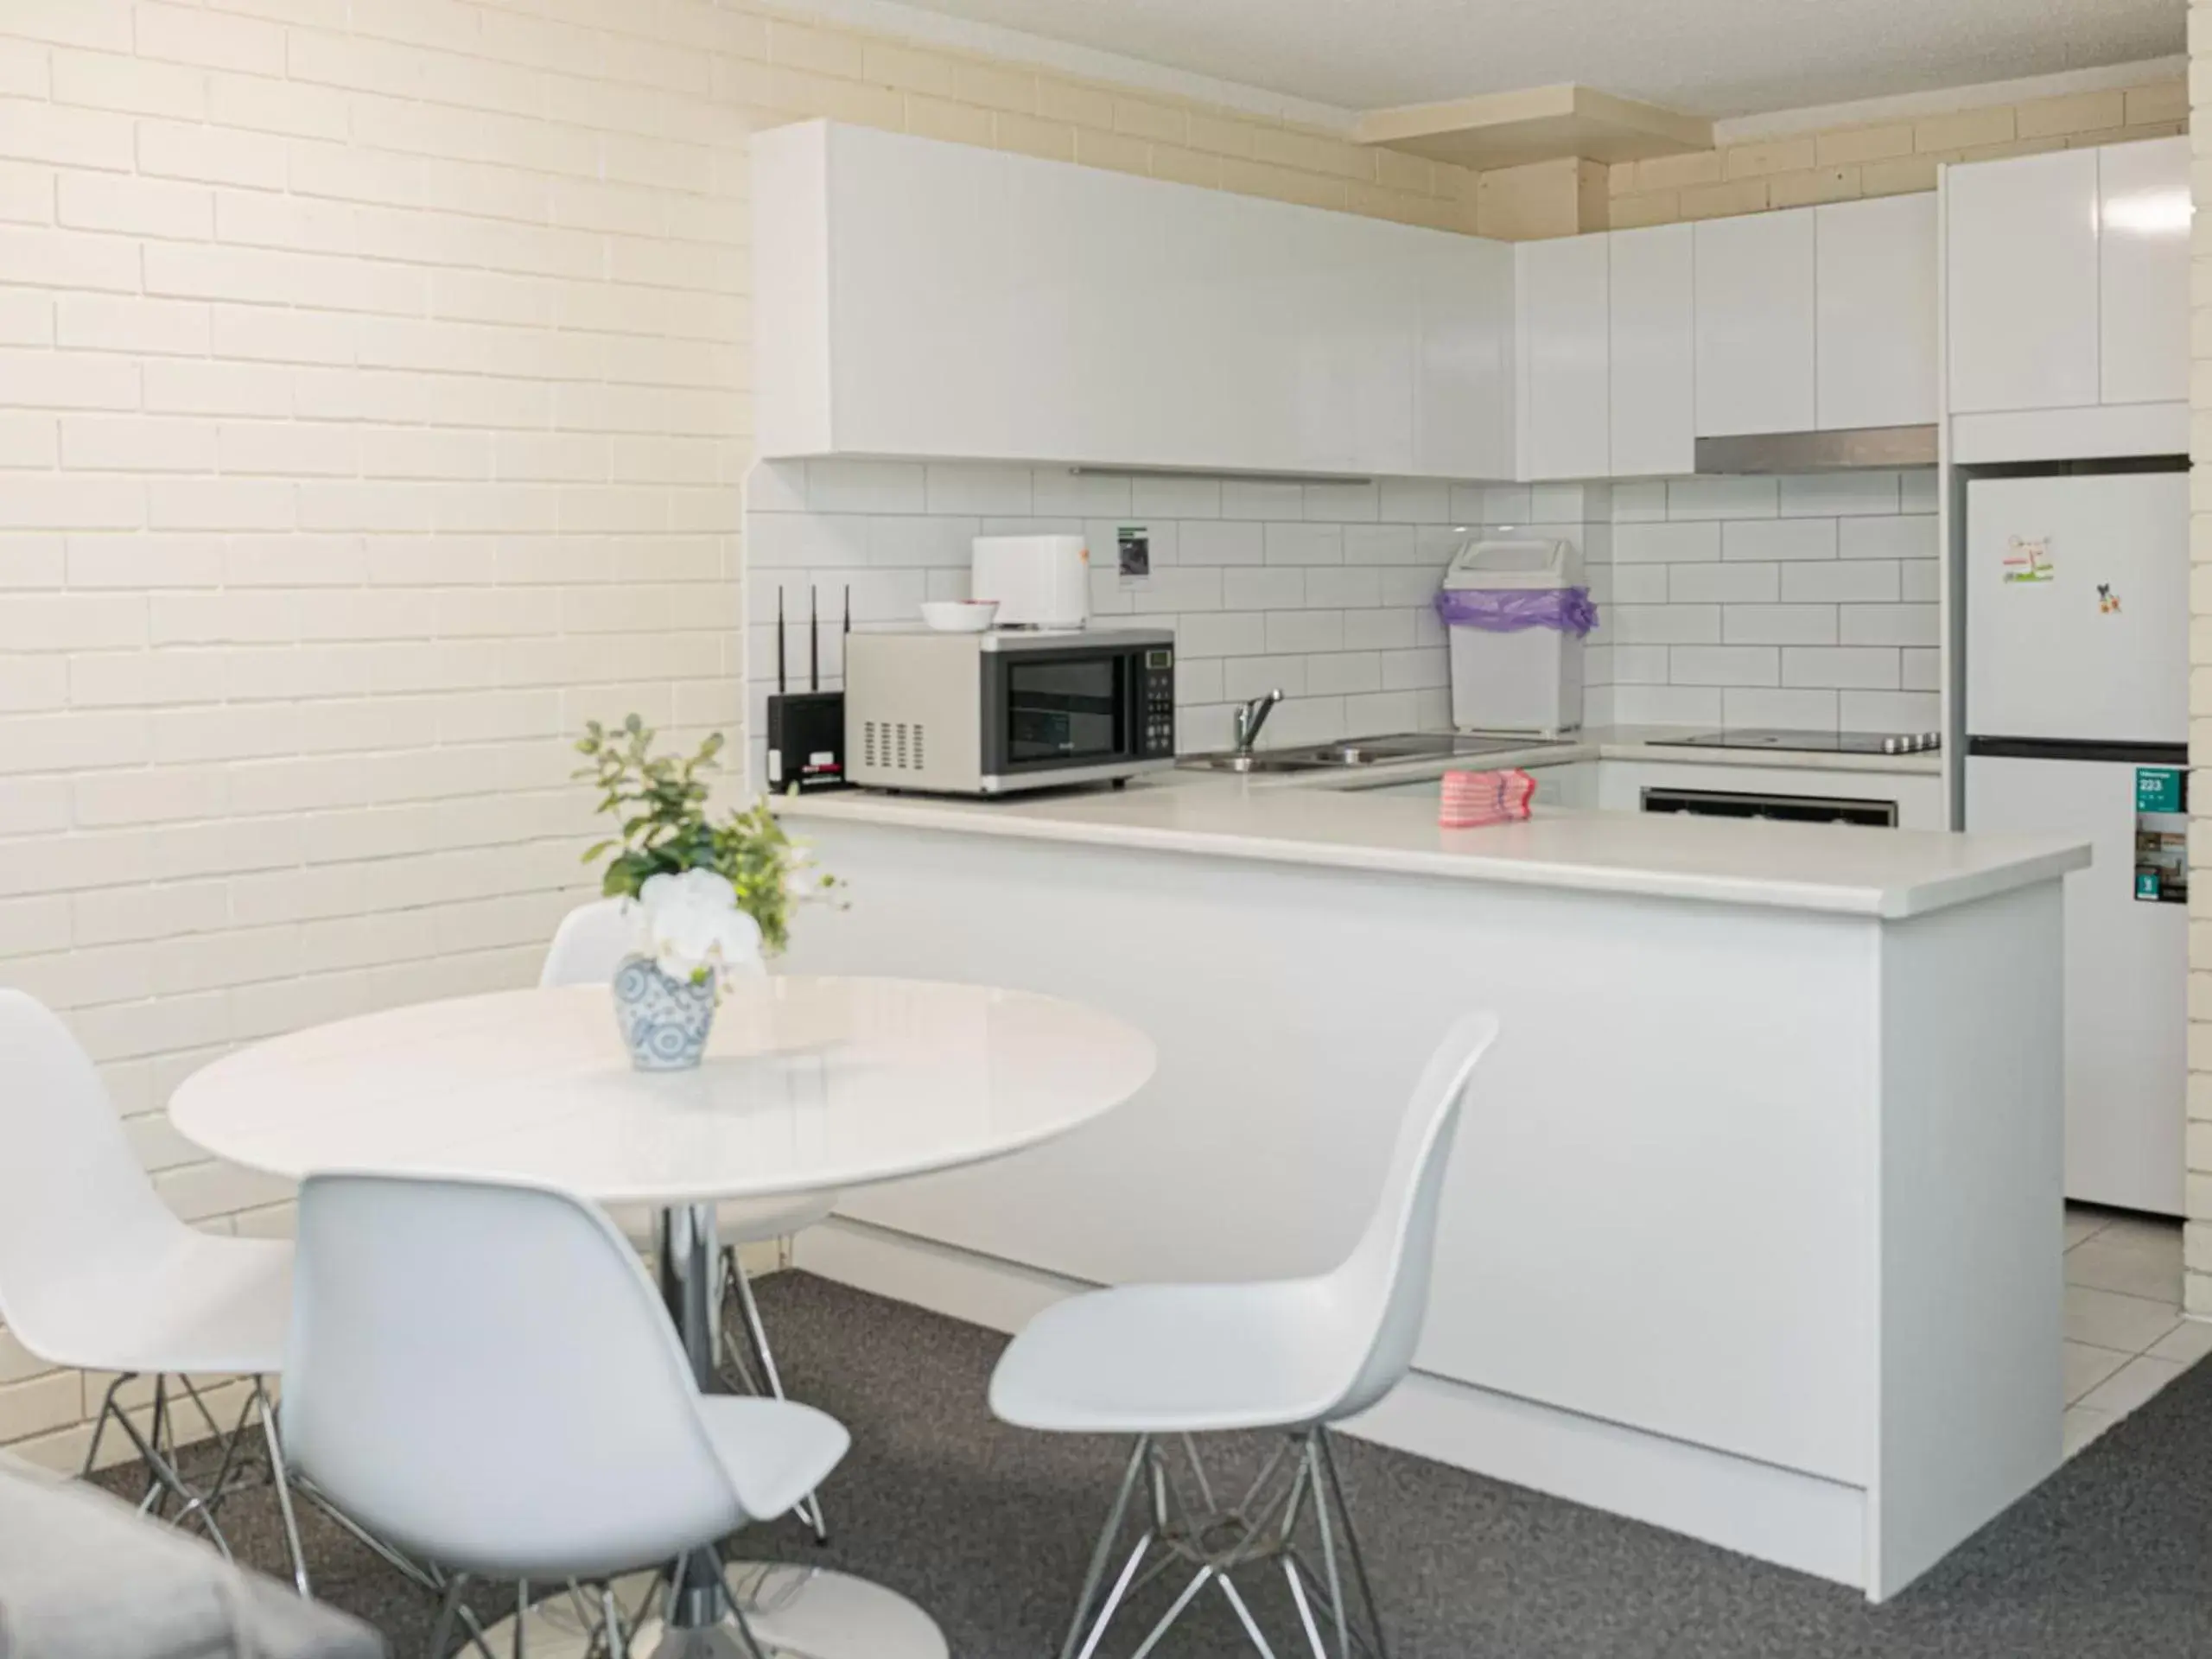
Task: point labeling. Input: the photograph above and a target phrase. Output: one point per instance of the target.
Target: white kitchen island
(1753, 1229)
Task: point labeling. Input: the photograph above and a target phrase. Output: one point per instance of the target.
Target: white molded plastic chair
(589, 944)
(429, 1394)
(98, 1273)
(1168, 1362)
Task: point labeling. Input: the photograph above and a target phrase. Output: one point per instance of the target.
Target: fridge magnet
(2107, 601)
(2026, 560)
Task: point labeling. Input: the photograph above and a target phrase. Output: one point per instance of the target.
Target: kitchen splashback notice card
(2161, 834)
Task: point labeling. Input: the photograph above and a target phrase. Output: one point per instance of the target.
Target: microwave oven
(990, 713)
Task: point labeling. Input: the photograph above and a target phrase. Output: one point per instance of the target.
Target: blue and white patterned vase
(665, 1021)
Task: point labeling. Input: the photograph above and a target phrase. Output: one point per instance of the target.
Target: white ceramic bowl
(959, 615)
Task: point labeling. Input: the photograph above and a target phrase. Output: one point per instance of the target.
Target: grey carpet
(990, 1529)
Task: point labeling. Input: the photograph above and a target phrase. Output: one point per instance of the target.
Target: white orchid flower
(695, 926)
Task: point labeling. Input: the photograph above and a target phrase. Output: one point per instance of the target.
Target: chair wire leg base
(740, 1286)
(1241, 1550)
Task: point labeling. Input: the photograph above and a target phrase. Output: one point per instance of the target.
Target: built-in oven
(1750, 803)
(993, 713)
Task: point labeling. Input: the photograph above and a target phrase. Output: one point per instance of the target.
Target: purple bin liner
(1508, 610)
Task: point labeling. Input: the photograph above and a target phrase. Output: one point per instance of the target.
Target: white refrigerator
(2077, 716)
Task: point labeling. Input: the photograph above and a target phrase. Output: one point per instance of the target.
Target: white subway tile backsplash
(1224, 633)
(1778, 625)
(1197, 679)
(1242, 678)
(1415, 501)
(1414, 671)
(1305, 631)
(1665, 625)
(1379, 630)
(1667, 705)
(1341, 671)
(1343, 504)
(1413, 586)
(1205, 541)
(1922, 669)
(1892, 711)
(898, 540)
(1917, 491)
(1396, 711)
(1921, 581)
(1830, 495)
(1242, 498)
(1154, 497)
(1384, 545)
(1691, 542)
(1640, 664)
(1344, 587)
(1643, 584)
(1844, 667)
(1839, 582)
(1723, 665)
(1507, 505)
(1776, 539)
(1639, 503)
(1305, 544)
(1718, 584)
(1175, 587)
(1268, 588)
(867, 487)
(1059, 493)
(979, 490)
(1723, 498)
(1902, 538)
(1889, 625)
(1794, 709)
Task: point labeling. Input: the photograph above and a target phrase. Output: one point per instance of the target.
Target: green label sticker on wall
(2158, 789)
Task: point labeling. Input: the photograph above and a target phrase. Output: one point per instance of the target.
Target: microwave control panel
(1157, 702)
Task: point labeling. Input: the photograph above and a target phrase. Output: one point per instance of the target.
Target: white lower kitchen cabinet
(1805, 1302)
(1916, 797)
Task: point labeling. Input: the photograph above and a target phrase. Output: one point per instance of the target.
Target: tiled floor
(2125, 1337)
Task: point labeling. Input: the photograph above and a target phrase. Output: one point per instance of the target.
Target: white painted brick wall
(1324, 590)
(371, 415)
(1769, 601)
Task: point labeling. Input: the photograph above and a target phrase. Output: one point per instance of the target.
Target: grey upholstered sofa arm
(83, 1577)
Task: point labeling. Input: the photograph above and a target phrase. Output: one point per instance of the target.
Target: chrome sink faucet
(1248, 717)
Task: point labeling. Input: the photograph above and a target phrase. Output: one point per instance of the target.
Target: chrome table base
(802, 1612)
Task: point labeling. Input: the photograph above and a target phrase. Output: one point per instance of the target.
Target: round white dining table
(810, 1084)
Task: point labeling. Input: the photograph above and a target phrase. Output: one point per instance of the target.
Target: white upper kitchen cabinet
(1755, 364)
(1875, 288)
(2021, 241)
(1563, 312)
(915, 298)
(1653, 351)
(2143, 220)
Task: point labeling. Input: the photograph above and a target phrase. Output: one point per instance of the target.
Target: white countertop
(1891, 874)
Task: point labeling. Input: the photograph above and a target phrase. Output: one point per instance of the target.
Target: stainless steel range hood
(1819, 451)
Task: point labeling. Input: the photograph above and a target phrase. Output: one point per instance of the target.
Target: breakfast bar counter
(1752, 1229)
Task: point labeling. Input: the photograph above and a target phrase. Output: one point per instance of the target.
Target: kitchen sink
(1352, 752)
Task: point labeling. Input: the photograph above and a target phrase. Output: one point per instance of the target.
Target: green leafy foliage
(660, 802)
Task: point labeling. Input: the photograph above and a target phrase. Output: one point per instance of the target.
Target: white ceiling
(1719, 58)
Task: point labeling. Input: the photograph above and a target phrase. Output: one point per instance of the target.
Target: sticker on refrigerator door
(2107, 601)
(2027, 561)
(2161, 835)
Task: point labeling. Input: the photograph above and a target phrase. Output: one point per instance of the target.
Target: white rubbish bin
(1522, 679)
